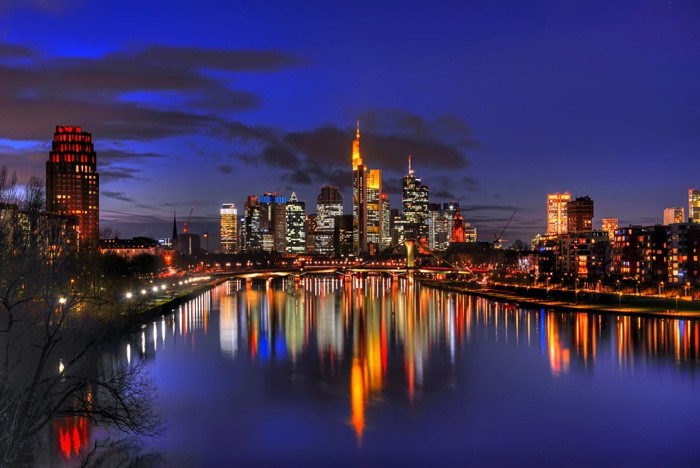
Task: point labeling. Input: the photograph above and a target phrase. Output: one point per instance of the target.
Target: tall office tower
(610, 225)
(250, 229)
(457, 227)
(343, 235)
(449, 211)
(557, 220)
(273, 215)
(374, 207)
(674, 215)
(228, 220)
(296, 225)
(579, 214)
(439, 235)
(386, 223)
(72, 182)
(359, 197)
(415, 202)
(693, 206)
(311, 227)
(329, 204)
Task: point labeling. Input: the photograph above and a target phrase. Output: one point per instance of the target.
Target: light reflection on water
(377, 346)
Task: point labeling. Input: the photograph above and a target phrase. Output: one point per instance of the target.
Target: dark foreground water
(377, 372)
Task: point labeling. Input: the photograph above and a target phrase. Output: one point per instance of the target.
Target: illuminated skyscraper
(693, 206)
(374, 207)
(250, 229)
(229, 228)
(415, 201)
(329, 204)
(386, 223)
(674, 215)
(579, 214)
(273, 215)
(557, 220)
(72, 182)
(359, 197)
(610, 225)
(457, 227)
(296, 225)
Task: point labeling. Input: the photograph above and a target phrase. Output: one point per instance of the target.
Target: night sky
(500, 103)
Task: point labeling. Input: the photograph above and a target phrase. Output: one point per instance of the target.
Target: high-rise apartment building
(72, 182)
(557, 220)
(674, 215)
(359, 196)
(329, 205)
(228, 223)
(579, 214)
(296, 225)
(693, 206)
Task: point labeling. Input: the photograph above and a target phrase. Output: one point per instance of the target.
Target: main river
(378, 371)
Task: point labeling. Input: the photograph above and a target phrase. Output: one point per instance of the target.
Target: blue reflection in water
(377, 370)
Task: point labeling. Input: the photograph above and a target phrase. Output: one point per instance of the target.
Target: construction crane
(186, 227)
(499, 238)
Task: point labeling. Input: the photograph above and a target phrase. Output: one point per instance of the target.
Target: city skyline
(499, 105)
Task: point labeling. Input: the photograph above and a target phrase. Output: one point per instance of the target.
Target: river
(375, 371)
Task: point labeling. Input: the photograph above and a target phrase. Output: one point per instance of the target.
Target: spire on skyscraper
(356, 156)
(410, 169)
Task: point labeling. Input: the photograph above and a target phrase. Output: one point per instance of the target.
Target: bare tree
(51, 339)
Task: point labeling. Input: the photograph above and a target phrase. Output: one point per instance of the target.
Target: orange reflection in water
(72, 435)
(559, 356)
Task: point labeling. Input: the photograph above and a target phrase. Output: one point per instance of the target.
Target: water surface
(377, 371)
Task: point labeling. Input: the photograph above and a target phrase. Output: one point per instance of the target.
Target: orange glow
(559, 356)
(357, 398)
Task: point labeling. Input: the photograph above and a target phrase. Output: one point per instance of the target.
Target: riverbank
(136, 318)
(578, 301)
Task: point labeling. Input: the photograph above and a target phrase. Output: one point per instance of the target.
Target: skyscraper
(674, 215)
(250, 229)
(329, 205)
(374, 207)
(610, 225)
(273, 215)
(693, 206)
(579, 214)
(457, 227)
(386, 223)
(415, 201)
(296, 225)
(72, 182)
(557, 220)
(229, 228)
(359, 197)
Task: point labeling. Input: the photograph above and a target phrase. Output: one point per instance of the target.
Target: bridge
(373, 266)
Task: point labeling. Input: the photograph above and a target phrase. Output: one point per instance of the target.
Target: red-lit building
(72, 182)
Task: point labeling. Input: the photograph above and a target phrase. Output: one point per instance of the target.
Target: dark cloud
(489, 208)
(116, 195)
(116, 174)
(278, 156)
(470, 183)
(15, 51)
(228, 60)
(111, 156)
(148, 94)
(444, 194)
(298, 177)
(226, 169)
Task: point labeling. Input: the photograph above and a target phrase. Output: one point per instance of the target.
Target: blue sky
(200, 103)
